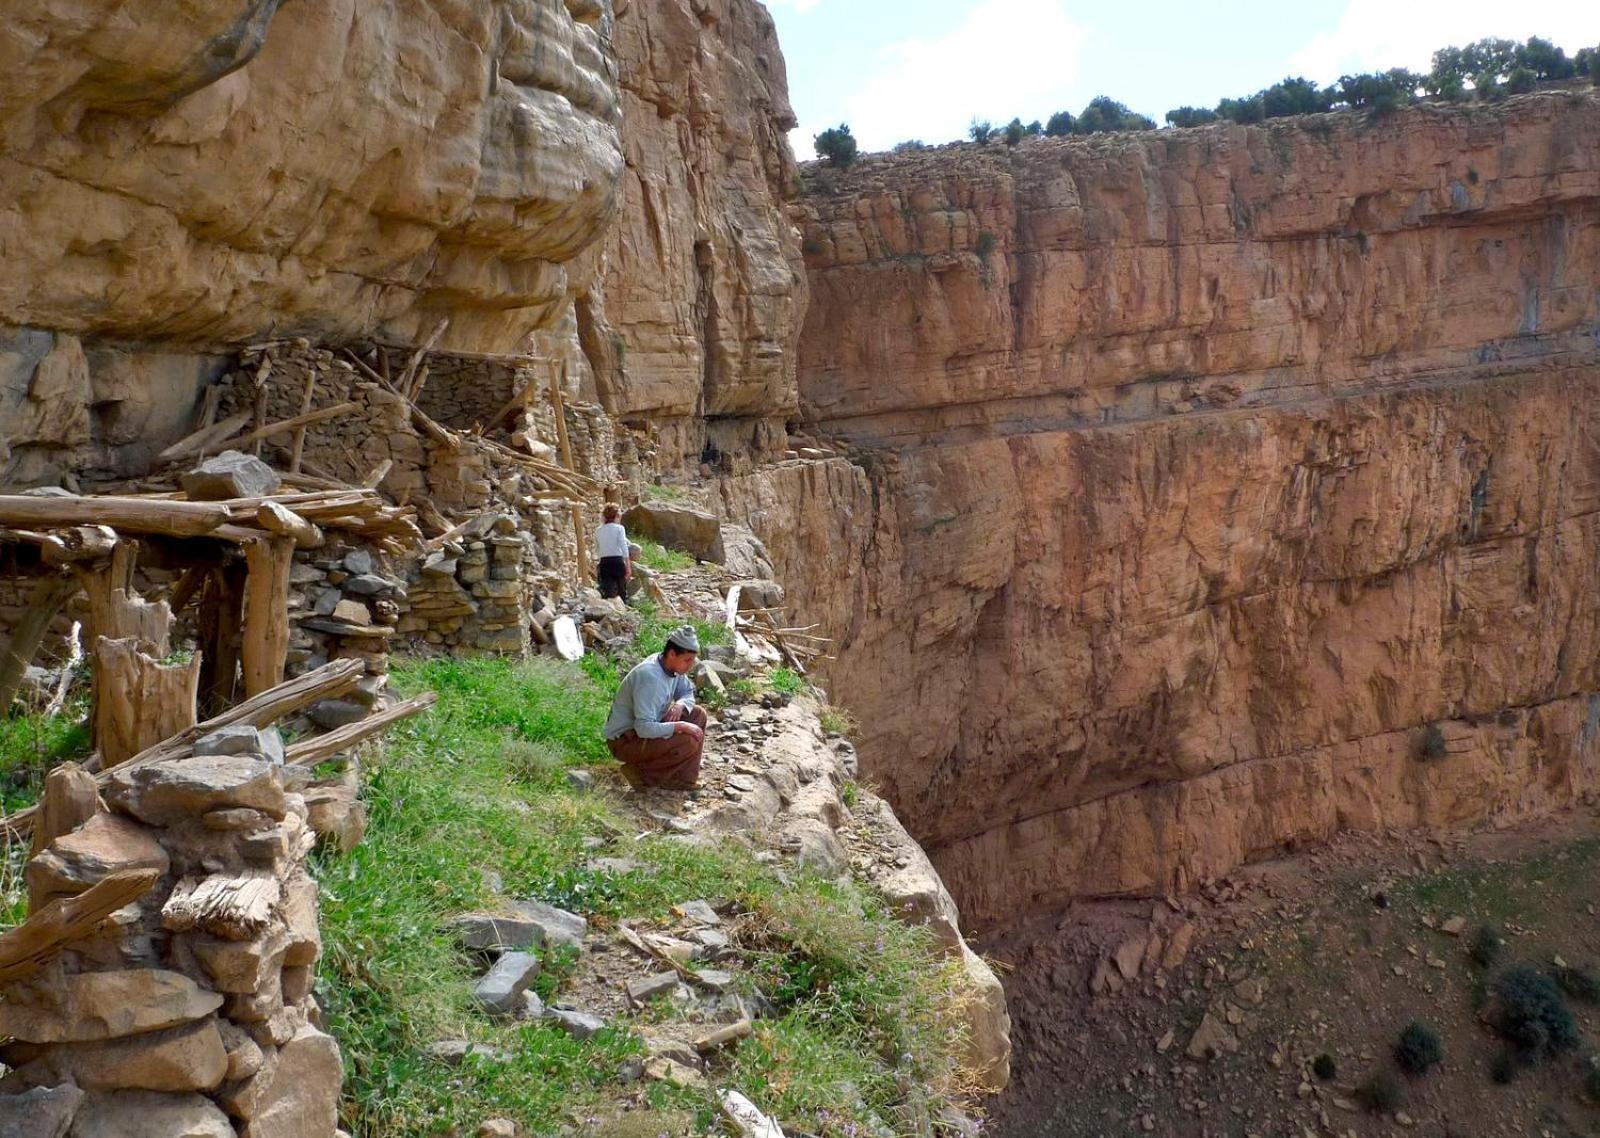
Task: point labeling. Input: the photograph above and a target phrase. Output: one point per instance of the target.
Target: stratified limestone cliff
(693, 321)
(192, 176)
(1219, 466)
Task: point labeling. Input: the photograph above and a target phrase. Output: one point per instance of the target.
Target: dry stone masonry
(191, 1013)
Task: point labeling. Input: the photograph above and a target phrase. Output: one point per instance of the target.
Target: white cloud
(1377, 34)
(1008, 57)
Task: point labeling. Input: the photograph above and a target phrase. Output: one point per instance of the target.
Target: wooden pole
(132, 515)
(48, 597)
(313, 751)
(220, 610)
(38, 940)
(265, 644)
(306, 398)
(557, 377)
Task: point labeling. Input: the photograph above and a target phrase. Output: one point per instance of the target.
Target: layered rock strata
(1218, 471)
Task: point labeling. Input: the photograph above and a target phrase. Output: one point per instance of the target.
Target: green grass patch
(867, 1008)
(654, 555)
(786, 681)
(659, 492)
(30, 745)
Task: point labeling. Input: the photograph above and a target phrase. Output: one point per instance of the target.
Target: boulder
(759, 594)
(44, 1112)
(1212, 1040)
(91, 1006)
(140, 1114)
(103, 845)
(744, 554)
(358, 562)
(176, 790)
(696, 532)
(557, 928)
(230, 474)
(988, 1023)
(500, 991)
(352, 612)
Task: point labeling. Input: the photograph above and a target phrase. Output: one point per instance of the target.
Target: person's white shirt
(612, 540)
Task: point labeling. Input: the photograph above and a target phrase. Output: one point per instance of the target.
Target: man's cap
(683, 638)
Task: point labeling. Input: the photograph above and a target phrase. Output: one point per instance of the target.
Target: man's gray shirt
(646, 693)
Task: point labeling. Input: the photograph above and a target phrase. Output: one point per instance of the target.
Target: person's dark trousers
(613, 576)
(672, 763)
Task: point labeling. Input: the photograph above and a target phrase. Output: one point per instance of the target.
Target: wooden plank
(38, 940)
(221, 611)
(204, 438)
(585, 570)
(313, 751)
(132, 515)
(235, 907)
(265, 634)
(138, 699)
(47, 599)
(298, 448)
(266, 431)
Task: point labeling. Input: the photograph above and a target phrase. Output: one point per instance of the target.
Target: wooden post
(557, 375)
(265, 644)
(299, 449)
(220, 612)
(138, 699)
(116, 612)
(70, 799)
(49, 595)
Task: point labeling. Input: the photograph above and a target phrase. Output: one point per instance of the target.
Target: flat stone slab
(91, 1006)
(453, 1052)
(242, 739)
(162, 793)
(500, 990)
(646, 988)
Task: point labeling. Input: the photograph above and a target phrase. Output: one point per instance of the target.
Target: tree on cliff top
(837, 147)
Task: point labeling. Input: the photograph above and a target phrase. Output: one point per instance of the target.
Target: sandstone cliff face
(198, 175)
(693, 320)
(1224, 464)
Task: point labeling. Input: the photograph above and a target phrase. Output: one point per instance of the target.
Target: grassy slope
(29, 746)
(479, 786)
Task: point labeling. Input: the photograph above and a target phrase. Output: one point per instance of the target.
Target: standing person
(655, 730)
(611, 539)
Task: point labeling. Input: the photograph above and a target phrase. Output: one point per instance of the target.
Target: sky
(896, 70)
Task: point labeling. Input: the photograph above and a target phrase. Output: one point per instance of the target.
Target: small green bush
(786, 680)
(981, 131)
(836, 146)
(1014, 132)
(1382, 1093)
(1532, 1015)
(1324, 1068)
(1487, 946)
(1419, 1049)
(1521, 81)
(1581, 982)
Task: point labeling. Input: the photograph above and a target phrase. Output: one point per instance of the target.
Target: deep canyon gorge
(1187, 482)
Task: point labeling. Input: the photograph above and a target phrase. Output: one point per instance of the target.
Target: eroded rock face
(1219, 466)
(694, 318)
(190, 175)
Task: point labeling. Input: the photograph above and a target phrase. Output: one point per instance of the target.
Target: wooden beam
(285, 522)
(297, 423)
(47, 599)
(38, 940)
(585, 571)
(206, 437)
(265, 644)
(298, 450)
(313, 751)
(221, 608)
(133, 515)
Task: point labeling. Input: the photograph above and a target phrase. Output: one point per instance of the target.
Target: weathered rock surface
(694, 316)
(230, 475)
(103, 845)
(162, 793)
(1218, 465)
(139, 1114)
(197, 185)
(44, 1112)
(696, 532)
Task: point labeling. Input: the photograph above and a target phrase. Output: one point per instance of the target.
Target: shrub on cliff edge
(836, 146)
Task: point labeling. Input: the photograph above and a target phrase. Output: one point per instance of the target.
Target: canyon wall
(693, 320)
(1230, 486)
(178, 179)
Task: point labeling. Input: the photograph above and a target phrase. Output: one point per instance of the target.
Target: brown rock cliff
(1216, 467)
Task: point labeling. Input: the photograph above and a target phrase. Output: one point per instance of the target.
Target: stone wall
(192, 1012)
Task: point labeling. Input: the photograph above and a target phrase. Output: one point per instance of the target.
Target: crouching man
(655, 730)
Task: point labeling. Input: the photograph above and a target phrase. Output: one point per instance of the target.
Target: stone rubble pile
(191, 1012)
